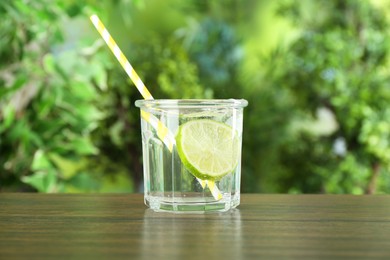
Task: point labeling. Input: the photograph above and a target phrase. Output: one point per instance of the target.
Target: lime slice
(207, 148)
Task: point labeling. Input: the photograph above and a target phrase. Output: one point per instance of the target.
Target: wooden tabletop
(102, 226)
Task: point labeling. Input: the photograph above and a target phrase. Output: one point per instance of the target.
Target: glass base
(191, 204)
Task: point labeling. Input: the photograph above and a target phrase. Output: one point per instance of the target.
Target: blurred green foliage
(340, 64)
(315, 74)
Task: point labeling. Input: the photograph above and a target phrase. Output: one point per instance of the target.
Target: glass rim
(191, 103)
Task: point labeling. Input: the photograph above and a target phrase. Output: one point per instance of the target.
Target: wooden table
(38, 226)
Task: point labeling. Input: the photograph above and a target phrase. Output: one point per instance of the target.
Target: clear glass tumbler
(192, 154)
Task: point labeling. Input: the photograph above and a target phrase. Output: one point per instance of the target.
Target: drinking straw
(121, 57)
(162, 131)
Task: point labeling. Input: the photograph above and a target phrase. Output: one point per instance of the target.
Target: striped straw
(120, 57)
(162, 131)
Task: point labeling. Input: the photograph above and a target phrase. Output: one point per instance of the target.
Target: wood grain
(42, 226)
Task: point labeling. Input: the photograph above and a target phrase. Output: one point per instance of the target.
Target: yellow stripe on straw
(120, 57)
(162, 131)
(214, 190)
(202, 183)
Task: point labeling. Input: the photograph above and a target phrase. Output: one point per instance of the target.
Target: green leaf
(35, 139)
(101, 77)
(49, 63)
(83, 90)
(84, 146)
(40, 162)
(68, 168)
(43, 181)
(82, 182)
(9, 116)
(115, 133)
(22, 7)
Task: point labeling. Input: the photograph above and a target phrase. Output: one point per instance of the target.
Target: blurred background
(316, 74)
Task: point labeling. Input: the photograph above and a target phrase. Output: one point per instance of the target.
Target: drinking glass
(192, 154)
